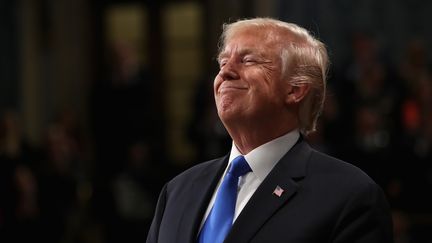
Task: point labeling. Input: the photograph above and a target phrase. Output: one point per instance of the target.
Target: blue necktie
(220, 219)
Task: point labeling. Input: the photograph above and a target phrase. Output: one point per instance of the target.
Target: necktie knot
(239, 167)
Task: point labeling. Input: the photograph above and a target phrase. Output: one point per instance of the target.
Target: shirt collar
(263, 158)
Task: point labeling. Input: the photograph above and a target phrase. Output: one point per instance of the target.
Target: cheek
(272, 85)
(272, 73)
(268, 80)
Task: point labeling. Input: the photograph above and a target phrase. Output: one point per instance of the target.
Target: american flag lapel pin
(278, 191)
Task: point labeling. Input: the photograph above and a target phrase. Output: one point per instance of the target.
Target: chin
(226, 113)
(228, 108)
(230, 114)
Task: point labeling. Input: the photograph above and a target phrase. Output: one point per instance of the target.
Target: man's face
(249, 85)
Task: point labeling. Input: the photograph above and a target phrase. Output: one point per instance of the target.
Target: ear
(296, 93)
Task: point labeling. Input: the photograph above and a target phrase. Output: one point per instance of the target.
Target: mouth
(230, 88)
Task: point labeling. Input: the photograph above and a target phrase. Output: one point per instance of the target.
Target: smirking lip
(228, 88)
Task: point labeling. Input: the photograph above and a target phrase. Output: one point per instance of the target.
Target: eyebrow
(242, 52)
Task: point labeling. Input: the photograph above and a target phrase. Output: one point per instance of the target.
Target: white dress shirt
(261, 160)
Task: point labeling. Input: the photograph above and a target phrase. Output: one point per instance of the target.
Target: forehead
(250, 39)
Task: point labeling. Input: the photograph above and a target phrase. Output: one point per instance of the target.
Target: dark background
(102, 102)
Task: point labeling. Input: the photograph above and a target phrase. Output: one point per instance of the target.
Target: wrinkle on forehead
(254, 42)
(275, 36)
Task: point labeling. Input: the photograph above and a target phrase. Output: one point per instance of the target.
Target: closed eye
(249, 61)
(222, 63)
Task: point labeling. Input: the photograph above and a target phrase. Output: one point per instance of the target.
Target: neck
(250, 136)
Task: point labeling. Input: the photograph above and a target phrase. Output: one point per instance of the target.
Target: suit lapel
(264, 203)
(202, 188)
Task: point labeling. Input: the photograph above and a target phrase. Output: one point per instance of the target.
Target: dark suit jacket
(324, 200)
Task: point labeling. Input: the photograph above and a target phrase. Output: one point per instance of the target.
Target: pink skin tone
(253, 101)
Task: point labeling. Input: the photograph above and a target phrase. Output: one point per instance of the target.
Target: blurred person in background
(135, 191)
(272, 186)
(19, 207)
(59, 176)
(123, 114)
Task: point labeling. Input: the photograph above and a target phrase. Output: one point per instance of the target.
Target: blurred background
(102, 102)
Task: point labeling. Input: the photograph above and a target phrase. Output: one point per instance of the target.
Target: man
(269, 92)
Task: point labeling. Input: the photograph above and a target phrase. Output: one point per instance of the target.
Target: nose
(229, 72)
